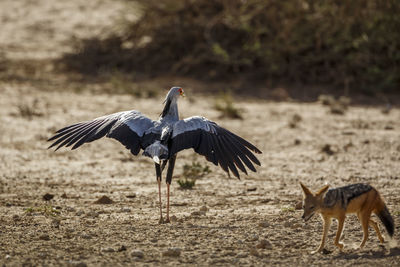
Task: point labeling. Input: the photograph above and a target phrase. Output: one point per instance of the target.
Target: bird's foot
(162, 221)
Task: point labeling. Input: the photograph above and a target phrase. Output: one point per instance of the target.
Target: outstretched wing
(127, 127)
(217, 144)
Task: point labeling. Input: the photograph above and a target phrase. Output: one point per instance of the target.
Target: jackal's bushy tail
(386, 219)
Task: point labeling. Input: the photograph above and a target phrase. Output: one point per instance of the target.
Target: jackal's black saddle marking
(345, 194)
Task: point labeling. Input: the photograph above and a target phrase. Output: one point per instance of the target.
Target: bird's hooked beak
(181, 92)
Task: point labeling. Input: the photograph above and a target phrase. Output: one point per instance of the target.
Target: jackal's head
(312, 202)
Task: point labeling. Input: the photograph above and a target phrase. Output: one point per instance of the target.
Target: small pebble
(137, 253)
(287, 224)
(204, 209)
(48, 197)
(107, 250)
(126, 209)
(264, 244)
(173, 218)
(295, 226)
(85, 236)
(122, 248)
(198, 213)
(70, 209)
(44, 237)
(104, 200)
(172, 252)
(242, 255)
(79, 213)
(92, 214)
(254, 252)
(230, 253)
(77, 264)
(264, 224)
(252, 238)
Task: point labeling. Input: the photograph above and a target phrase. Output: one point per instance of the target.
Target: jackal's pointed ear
(306, 191)
(322, 191)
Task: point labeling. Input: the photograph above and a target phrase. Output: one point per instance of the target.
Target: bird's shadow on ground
(393, 252)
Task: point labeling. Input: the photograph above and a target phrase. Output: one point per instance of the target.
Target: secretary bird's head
(174, 93)
(171, 99)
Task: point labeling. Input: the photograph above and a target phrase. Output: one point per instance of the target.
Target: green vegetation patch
(348, 44)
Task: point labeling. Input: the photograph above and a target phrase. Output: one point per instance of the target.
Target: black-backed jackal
(361, 199)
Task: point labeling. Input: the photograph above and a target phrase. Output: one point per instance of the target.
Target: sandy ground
(222, 221)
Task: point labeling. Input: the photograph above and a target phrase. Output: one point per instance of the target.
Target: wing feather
(218, 145)
(235, 154)
(241, 151)
(83, 131)
(220, 157)
(128, 127)
(73, 131)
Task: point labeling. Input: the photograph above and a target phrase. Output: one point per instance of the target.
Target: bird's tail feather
(156, 151)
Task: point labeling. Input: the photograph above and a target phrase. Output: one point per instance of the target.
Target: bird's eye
(312, 207)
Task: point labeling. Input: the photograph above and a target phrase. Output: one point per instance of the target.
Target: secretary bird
(162, 139)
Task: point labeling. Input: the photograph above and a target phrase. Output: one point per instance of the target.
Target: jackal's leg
(364, 218)
(375, 225)
(339, 232)
(327, 225)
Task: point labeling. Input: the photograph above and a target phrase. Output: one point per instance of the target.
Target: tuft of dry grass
(191, 173)
(123, 83)
(336, 106)
(46, 210)
(195, 170)
(294, 121)
(186, 183)
(29, 110)
(224, 104)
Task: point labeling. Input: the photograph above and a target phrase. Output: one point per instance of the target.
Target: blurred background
(279, 50)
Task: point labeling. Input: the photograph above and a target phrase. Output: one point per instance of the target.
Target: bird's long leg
(171, 165)
(158, 173)
(163, 165)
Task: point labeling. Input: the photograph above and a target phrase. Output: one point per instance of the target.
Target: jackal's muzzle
(308, 216)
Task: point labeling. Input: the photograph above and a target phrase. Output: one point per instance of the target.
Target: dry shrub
(351, 44)
(191, 173)
(28, 110)
(224, 104)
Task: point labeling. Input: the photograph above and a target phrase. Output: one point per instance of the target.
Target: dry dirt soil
(222, 220)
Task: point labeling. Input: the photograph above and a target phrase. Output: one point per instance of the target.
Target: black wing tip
(51, 138)
(256, 150)
(51, 146)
